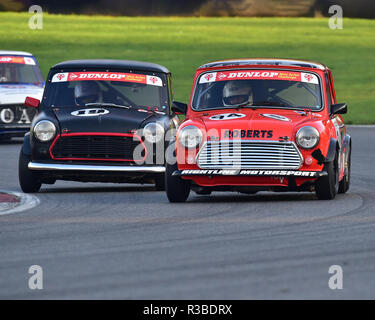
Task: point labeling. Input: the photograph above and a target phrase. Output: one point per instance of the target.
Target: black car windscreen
(129, 89)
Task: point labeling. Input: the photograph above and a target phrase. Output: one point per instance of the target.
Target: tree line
(357, 8)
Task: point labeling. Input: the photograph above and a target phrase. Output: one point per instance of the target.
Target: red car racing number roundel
(259, 75)
(227, 116)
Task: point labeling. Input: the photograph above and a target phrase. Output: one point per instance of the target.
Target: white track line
(27, 202)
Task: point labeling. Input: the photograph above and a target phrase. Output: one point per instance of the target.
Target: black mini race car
(100, 121)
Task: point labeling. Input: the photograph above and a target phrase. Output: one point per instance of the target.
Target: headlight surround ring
(153, 132)
(190, 137)
(307, 137)
(44, 130)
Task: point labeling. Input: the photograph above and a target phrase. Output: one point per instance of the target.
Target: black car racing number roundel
(227, 116)
(89, 112)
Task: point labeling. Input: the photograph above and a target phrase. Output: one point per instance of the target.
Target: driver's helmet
(4, 74)
(87, 92)
(237, 92)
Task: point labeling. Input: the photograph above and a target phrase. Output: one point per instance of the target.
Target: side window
(328, 90)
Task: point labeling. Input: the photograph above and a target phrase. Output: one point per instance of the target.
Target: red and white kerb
(19, 60)
(108, 76)
(259, 75)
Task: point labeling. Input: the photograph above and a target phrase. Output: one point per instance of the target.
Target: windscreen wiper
(258, 104)
(272, 103)
(246, 105)
(104, 104)
(285, 105)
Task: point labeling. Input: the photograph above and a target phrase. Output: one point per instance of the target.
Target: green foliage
(11, 5)
(182, 44)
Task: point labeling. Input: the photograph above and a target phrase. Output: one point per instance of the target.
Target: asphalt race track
(128, 242)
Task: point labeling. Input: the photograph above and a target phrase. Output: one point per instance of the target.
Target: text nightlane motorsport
(243, 172)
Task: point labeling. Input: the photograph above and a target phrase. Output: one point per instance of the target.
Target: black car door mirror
(179, 107)
(339, 108)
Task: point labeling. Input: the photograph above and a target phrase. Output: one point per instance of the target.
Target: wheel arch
(27, 144)
(333, 149)
(347, 142)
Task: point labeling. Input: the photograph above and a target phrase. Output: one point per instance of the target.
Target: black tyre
(202, 191)
(345, 182)
(29, 179)
(160, 182)
(327, 187)
(178, 189)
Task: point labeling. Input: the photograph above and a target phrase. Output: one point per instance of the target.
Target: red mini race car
(261, 125)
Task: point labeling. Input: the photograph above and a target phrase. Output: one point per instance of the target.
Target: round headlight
(307, 137)
(190, 137)
(44, 130)
(153, 132)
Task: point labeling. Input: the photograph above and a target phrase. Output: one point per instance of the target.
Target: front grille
(16, 116)
(97, 147)
(249, 154)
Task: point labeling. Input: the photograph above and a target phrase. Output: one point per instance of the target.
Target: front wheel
(178, 189)
(326, 187)
(29, 179)
(345, 182)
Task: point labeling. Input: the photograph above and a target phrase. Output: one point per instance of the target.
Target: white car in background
(20, 77)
